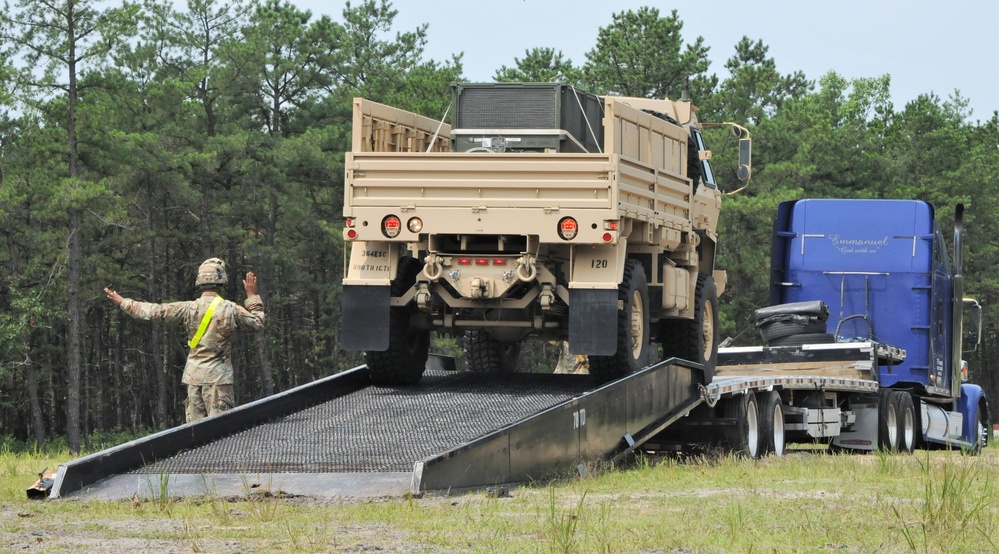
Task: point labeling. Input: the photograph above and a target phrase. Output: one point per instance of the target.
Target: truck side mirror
(745, 159)
(972, 325)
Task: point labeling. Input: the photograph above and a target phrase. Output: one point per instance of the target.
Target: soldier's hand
(250, 284)
(113, 296)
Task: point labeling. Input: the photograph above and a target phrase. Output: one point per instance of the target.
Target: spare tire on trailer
(778, 329)
(796, 318)
(803, 339)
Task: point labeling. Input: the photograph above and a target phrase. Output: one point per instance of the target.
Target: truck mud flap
(593, 321)
(364, 324)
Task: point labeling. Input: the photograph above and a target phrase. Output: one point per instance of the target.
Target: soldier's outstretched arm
(113, 296)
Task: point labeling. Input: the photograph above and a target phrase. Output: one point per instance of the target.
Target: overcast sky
(926, 46)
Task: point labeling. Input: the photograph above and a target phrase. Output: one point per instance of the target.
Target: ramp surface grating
(380, 429)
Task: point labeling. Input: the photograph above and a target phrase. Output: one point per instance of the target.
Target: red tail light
(567, 228)
(391, 226)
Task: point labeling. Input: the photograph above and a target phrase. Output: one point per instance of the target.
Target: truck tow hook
(423, 297)
(547, 298)
(526, 270)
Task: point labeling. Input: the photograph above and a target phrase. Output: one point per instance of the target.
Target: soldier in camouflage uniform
(208, 373)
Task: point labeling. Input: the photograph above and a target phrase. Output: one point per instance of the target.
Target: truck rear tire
(485, 354)
(632, 327)
(772, 423)
(887, 421)
(406, 358)
(744, 438)
(905, 411)
(696, 340)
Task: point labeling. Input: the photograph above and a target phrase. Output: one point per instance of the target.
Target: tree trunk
(73, 339)
(266, 274)
(31, 375)
(37, 423)
(75, 257)
(153, 291)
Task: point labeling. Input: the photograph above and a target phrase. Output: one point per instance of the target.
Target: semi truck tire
(696, 340)
(980, 440)
(905, 412)
(772, 423)
(485, 354)
(406, 358)
(744, 437)
(887, 421)
(632, 327)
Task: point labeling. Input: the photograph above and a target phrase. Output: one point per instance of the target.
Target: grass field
(938, 501)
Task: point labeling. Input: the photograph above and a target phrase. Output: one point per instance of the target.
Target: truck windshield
(706, 173)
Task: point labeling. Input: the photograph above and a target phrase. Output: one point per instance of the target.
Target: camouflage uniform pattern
(209, 363)
(571, 363)
(208, 400)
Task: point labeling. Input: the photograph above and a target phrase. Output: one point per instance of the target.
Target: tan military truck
(543, 213)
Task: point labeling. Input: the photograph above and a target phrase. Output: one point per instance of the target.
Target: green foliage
(540, 65)
(651, 49)
(754, 90)
(218, 127)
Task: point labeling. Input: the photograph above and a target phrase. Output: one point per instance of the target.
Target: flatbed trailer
(763, 398)
(344, 437)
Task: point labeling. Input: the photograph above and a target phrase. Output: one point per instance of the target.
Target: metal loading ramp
(451, 431)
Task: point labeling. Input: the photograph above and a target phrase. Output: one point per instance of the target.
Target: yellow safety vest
(204, 322)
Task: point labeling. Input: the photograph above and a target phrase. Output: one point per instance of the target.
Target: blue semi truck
(868, 327)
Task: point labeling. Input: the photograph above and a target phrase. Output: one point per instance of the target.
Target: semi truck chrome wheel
(772, 423)
(744, 435)
(887, 421)
(905, 414)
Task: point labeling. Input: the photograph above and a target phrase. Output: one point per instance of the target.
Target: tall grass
(958, 499)
(807, 501)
